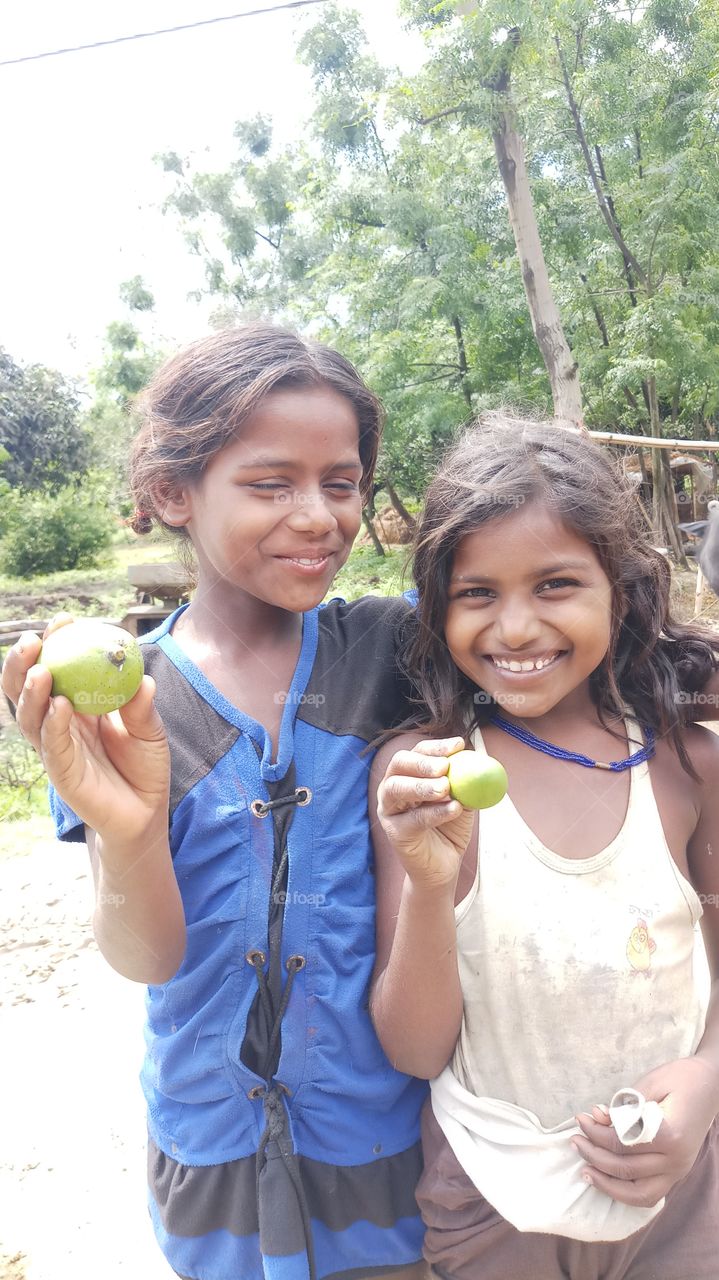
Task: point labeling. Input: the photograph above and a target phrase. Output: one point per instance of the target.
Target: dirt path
(72, 1164)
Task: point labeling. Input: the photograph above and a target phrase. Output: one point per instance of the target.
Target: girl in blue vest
(537, 961)
(281, 1141)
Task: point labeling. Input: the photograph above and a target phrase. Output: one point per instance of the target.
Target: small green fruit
(97, 666)
(476, 780)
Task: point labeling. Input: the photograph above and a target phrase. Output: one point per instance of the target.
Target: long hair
(653, 663)
(197, 401)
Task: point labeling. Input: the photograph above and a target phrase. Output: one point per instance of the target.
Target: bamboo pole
(655, 442)
(699, 593)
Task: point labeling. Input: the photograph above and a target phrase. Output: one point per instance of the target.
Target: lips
(307, 564)
(305, 560)
(536, 663)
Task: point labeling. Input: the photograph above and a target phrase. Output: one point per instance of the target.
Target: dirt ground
(72, 1162)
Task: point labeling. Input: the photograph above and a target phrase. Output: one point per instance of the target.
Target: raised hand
(428, 830)
(113, 770)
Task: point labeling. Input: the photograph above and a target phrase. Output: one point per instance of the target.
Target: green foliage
(45, 531)
(23, 782)
(41, 434)
(128, 364)
(385, 231)
(369, 574)
(136, 294)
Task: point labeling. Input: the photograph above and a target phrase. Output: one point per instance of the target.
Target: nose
(516, 625)
(310, 513)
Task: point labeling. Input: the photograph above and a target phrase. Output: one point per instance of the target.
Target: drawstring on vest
(276, 1138)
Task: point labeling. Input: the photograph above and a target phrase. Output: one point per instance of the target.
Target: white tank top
(578, 976)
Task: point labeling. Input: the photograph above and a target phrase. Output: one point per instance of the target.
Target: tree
(127, 367)
(388, 231)
(40, 427)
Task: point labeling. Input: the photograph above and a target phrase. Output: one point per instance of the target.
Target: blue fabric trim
(68, 826)
(194, 676)
(361, 1247)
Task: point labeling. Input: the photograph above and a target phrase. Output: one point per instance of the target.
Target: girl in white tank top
(542, 964)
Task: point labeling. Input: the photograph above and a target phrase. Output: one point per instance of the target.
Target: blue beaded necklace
(617, 766)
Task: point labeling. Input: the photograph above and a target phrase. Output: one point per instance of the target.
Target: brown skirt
(466, 1239)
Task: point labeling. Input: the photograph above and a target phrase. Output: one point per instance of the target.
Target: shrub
(46, 532)
(23, 782)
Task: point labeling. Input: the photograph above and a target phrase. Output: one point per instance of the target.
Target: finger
(140, 716)
(600, 1113)
(18, 661)
(643, 1194)
(57, 748)
(624, 1167)
(58, 620)
(33, 703)
(599, 1133)
(439, 746)
(429, 816)
(413, 764)
(399, 794)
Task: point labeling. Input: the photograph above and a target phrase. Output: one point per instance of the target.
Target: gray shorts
(466, 1239)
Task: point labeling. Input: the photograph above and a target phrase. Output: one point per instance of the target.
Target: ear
(174, 506)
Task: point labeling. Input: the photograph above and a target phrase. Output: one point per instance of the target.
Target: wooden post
(699, 593)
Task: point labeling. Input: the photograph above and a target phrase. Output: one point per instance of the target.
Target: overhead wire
(161, 31)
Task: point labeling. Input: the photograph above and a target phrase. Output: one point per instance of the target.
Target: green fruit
(97, 666)
(476, 780)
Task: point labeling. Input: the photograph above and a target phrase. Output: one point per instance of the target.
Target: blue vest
(282, 1142)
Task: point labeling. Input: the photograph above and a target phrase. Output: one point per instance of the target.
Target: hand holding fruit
(425, 804)
(112, 769)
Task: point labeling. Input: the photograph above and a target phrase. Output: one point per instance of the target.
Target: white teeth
(528, 664)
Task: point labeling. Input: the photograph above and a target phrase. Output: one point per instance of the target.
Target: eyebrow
(568, 566)
(288, 464)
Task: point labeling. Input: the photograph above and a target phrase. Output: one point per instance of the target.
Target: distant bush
(23, 782)
(45, 532)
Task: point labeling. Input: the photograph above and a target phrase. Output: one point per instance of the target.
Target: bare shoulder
(402, 742)
(702, 744)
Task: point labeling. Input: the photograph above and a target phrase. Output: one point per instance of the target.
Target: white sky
(81, 194)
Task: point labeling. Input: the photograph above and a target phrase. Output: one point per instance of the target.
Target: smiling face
(275, 512)
(530, 611)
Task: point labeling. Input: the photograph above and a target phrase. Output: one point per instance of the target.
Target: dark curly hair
(501, 462)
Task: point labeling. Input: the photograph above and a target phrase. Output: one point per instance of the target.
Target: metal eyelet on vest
(257, 1091)
(259, 808)
(295, 962)
(304, 796)
(255, 954)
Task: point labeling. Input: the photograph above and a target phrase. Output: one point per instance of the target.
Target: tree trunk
(546, 321)
(657, 488)
(664, 513)
(399, 506)
(379, 549)
(463, 366)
